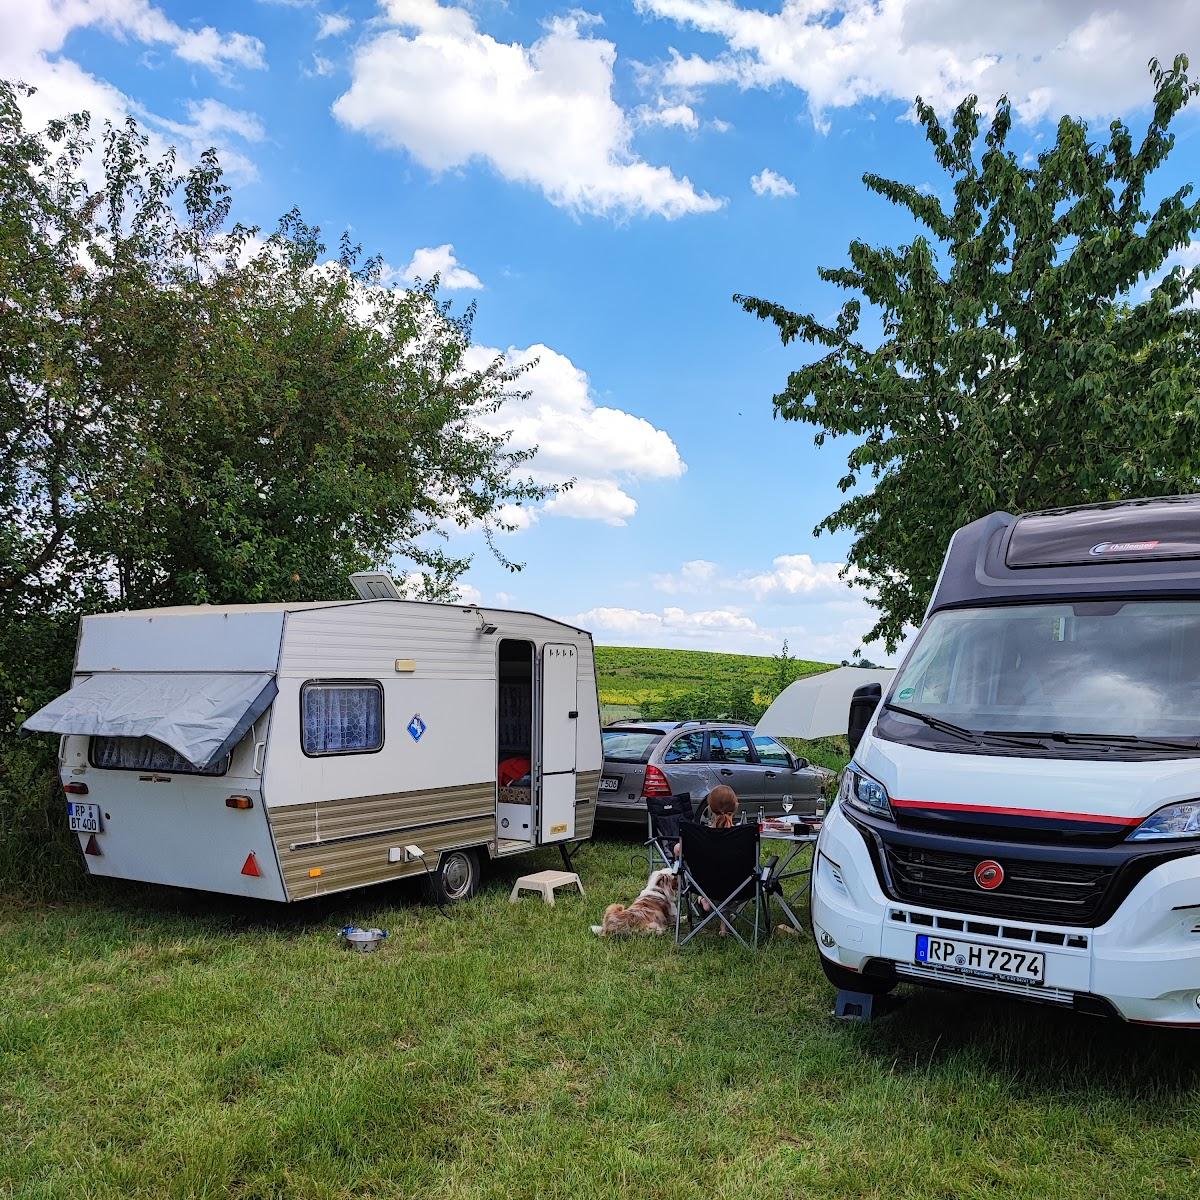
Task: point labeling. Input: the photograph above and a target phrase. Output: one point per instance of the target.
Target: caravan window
(341, 718)
(145, 754)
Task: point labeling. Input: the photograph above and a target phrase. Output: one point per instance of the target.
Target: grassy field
(627, 675)
(159, 1044)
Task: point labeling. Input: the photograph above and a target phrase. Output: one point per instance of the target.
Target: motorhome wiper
(1101, 739)
(937, 723)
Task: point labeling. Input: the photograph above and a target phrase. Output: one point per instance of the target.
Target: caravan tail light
(655, 783)
(242, 802)
(75, 789)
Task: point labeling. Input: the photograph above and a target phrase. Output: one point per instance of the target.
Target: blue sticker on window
(416, 727)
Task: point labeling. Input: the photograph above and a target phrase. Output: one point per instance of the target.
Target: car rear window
(630, 745)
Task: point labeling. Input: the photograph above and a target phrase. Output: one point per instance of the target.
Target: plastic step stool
(545, 882)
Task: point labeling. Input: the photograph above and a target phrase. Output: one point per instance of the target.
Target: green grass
(627, 675)
(154, 1044)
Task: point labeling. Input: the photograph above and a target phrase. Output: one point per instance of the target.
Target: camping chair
(721, 867)
(663, 815)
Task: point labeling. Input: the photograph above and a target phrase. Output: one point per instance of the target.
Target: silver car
(665, 758)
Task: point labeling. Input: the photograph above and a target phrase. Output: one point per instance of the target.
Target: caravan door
(560, 721)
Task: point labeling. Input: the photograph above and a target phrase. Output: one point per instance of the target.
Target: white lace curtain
(342, 718)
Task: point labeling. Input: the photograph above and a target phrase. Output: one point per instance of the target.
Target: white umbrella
(818, 705)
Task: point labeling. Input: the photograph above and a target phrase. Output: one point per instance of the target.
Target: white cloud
(594, 500)
(1087, 58)
(770, 183)
(674, 626)
(678, 115)
(39, 27)
(332, 25)
(543, 114)
(35, 32)
(790, 575)
(321, 67)
(436, 260)
(604, 449)
(694, 576)
(794, 575)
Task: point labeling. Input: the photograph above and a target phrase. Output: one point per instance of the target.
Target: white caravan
(284, 751)
(1022, 812)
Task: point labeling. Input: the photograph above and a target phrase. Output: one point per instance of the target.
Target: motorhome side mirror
(862, 707)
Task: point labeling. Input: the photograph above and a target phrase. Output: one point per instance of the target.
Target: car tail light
(655, 783)
(75, 789)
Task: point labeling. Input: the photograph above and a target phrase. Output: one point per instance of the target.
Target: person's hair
(722, 803)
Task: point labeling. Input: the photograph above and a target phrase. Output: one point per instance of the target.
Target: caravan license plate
(83, 818)
(972, 958)
(610, 783)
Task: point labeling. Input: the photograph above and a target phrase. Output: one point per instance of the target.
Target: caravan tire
(456, 877)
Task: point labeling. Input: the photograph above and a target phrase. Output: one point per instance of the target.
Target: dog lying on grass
(652, 912)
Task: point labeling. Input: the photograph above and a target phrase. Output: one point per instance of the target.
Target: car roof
(670, 726)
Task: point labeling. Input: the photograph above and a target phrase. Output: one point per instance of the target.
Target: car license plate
(610, 783)
(83, 818)
(973, 958)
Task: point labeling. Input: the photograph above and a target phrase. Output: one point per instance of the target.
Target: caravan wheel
(456, 877)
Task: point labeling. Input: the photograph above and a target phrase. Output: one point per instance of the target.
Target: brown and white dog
(652, 912)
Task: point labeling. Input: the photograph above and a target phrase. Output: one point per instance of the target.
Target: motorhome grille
(1058, 893)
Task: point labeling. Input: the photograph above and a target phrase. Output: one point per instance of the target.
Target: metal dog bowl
(365, 941)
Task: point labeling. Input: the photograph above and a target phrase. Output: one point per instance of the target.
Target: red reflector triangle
(250, 866)
(93, 846)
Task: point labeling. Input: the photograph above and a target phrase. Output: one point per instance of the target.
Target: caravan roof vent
(375, 585)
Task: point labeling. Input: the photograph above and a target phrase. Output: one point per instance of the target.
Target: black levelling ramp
(861, 1007)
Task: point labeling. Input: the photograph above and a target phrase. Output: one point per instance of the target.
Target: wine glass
(787, 804)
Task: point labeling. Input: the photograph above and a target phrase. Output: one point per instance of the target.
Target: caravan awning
(199, 715)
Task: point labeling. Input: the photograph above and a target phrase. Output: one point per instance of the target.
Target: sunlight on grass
(167, 1044)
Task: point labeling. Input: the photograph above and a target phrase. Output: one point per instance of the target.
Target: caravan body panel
(321, 822)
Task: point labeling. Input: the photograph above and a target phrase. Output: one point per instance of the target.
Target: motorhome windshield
(1108, 676)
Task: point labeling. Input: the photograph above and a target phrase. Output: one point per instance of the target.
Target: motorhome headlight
(864, 793)
(1171, 821)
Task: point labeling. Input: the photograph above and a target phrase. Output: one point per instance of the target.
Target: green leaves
(193, 412)
(1034, 351)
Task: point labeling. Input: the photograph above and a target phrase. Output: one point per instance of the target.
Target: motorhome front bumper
(1144, 960)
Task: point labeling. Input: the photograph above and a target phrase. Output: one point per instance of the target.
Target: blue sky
(607, 179)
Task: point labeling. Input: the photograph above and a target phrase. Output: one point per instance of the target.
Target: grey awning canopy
(200, 715)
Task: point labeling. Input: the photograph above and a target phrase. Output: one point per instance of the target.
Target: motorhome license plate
(610, 783)
(83, 818)
(973, 958)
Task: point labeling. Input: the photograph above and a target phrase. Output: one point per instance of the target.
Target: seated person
(722, 806)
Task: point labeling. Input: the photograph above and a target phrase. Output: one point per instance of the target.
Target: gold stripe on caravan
(347, 841)
(587, 787)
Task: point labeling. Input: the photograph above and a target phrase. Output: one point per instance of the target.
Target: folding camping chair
(663, 815)
(721, 868)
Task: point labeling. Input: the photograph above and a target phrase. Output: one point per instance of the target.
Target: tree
(1033, 349)
(191, 412)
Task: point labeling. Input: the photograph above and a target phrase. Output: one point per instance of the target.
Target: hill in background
(629, 676)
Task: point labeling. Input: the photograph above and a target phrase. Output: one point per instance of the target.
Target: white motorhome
(284, 751)
(1022, 811)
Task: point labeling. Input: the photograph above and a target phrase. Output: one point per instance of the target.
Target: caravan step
(545, 882)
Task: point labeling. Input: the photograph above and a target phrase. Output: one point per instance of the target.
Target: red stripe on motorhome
(1040, 813)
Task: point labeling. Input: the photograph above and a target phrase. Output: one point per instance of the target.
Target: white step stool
(545, 882)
